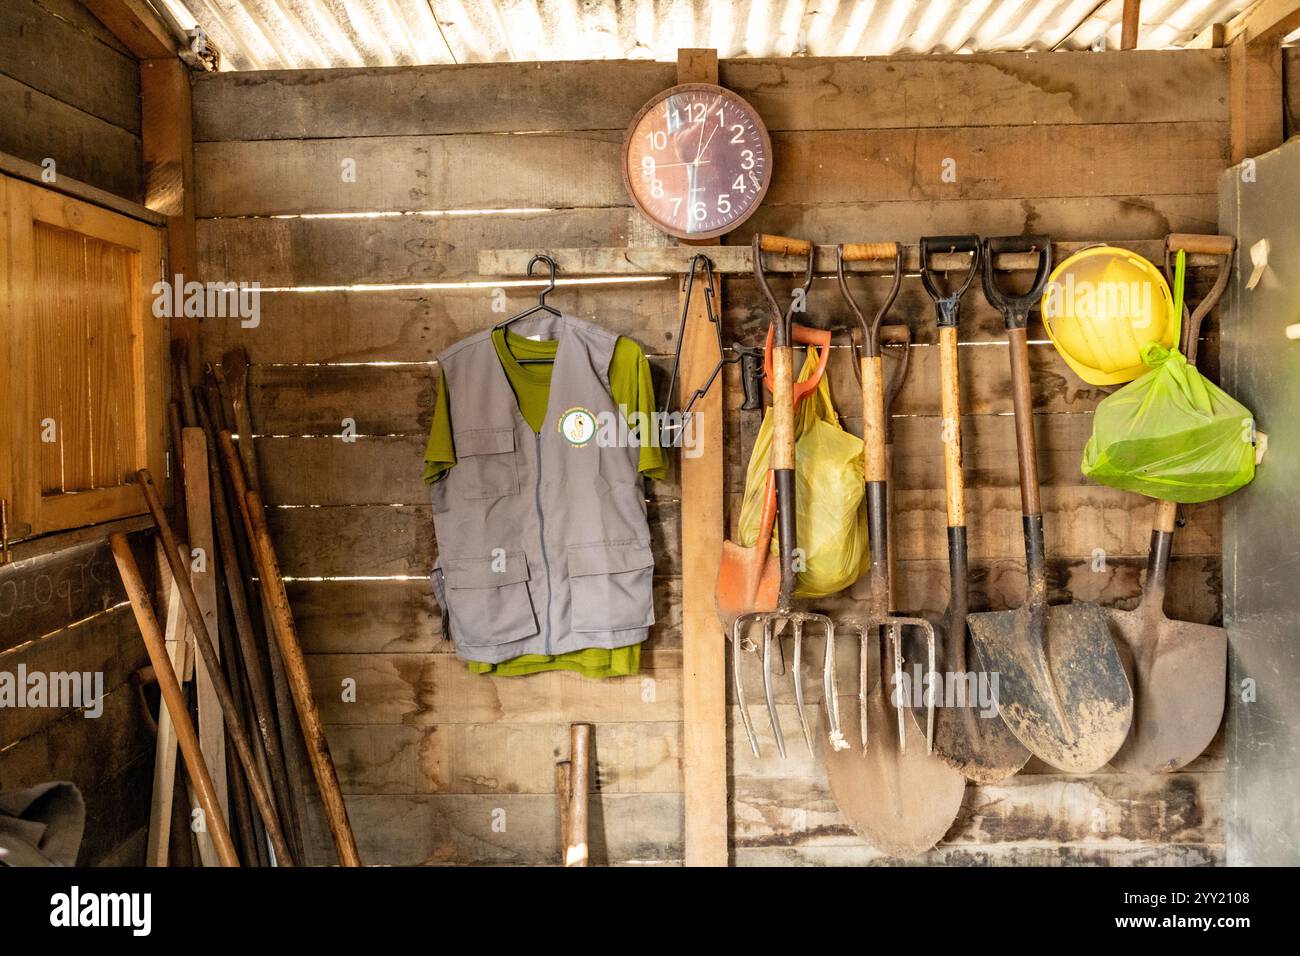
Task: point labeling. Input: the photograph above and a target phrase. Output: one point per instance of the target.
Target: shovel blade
(1178, 670)
(969, 734)
(749, 580)
(1063, 692)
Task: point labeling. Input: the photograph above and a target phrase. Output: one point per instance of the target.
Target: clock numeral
(647, 167)
(657, 188)
(749, 159)
(658, 139)
(739, 184)
(739, 138)
(677, 205)
(724, 203)
(722, 120)
(699, 212)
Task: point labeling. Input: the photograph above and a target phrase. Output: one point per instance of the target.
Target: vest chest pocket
(611, 586)
(490, 461)
(488, 599)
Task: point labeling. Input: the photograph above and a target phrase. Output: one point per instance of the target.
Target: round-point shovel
(899, 797)
(969, 735)
(1178, 668)
(1062, 686)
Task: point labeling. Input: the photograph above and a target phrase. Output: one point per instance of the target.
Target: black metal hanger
(541, 306)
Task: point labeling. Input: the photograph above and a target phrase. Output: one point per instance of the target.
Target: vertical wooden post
(704, 663)
(1255, 94)
(198, 509)
(1132, 18)
(167, 142)
(576, 849)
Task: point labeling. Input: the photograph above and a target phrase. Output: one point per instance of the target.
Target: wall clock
(697, 161)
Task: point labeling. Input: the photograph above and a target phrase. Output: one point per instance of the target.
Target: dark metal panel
(1261, 548)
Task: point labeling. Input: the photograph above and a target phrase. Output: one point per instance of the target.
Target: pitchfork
(876, 473)
(780, 379)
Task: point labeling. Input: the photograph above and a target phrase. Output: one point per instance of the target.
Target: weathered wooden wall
(1115, 146)
(67, 612)
(70, 91)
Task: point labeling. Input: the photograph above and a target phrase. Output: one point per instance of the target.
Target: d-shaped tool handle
(947, 302)
(1015, 309)
(801, 335)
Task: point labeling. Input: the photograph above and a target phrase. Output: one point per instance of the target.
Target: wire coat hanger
(541, 306)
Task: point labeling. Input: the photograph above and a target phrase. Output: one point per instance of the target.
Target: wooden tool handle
(173, 699)
(875, 466)
(784, 245)
(1166, 516)
(1023, 403)
(230, 710)
(1209, 245)
(576, 851)
(295, 665)
(950, 401)
(868, 251)
(782, 408)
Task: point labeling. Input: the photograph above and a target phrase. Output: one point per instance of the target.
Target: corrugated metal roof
(280, 34)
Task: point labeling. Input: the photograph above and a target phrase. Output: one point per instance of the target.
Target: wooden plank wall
(1114, 146)
(67, 612)
(70, 91)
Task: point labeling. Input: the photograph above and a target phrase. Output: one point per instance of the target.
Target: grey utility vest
(543, 546)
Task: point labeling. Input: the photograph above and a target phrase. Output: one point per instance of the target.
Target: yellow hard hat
(1100, 306)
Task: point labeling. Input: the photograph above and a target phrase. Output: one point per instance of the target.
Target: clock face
(697, 161)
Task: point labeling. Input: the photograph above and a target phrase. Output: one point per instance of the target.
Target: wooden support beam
(738, 260)
(704, 660)
(1130, 24)
(167, 140)
(136, 24)
(1255, 93)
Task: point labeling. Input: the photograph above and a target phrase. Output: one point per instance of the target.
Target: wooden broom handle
(173, 699)
(295, 666)
(239, 738)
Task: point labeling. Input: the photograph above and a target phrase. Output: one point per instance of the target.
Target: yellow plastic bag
(830, 514)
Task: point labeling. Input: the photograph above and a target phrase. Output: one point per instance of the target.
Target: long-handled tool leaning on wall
(1178, 668)
(899, 797)
(784, 400)
(1062, 687)
(978, 744)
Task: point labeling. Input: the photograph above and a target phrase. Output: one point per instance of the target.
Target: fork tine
(767, 686)
(740, 684)
(864, 643)
(798, 684)
(831, 691)
(896, 645)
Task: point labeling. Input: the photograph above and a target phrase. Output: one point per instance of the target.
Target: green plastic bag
(1171, 434)
(830, 513)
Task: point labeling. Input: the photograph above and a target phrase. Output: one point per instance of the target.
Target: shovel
(1178, 668)
(898, 796)
(978, 744)
(1063, 690)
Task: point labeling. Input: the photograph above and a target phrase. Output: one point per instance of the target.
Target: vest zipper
(541, 534)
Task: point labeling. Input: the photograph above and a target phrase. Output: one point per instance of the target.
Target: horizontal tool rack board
(442, 766)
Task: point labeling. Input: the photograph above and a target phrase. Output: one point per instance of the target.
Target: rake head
(773, 624)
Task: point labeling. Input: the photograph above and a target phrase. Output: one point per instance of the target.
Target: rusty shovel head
(969, 734)
(748, 580)
(1062, 688)
(1178, 670)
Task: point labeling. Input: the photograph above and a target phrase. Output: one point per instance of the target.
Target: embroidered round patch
(578, 426)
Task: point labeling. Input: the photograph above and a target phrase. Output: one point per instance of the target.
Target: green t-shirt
(633, 391)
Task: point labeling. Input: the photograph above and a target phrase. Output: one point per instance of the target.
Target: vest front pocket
(490, 461)
(611, 586)
(488, 599)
